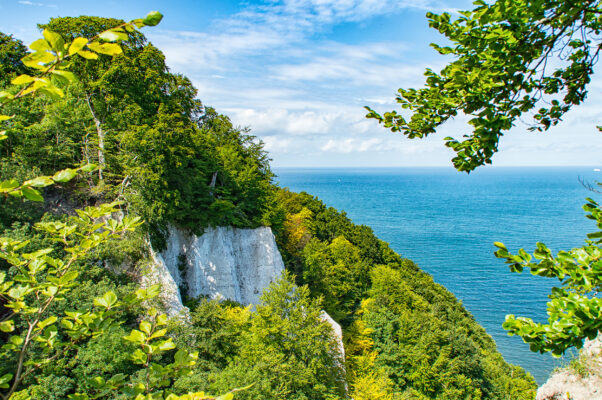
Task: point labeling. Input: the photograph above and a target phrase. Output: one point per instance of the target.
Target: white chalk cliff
(582, 384)
(222, 263)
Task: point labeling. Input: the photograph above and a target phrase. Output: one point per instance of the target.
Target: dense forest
(167, 158)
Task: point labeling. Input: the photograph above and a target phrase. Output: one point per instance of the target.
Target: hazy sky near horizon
(298, 73)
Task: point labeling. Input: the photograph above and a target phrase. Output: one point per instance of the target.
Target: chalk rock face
(567, 384)
(158, 273)
(336, 330)
(224, 262)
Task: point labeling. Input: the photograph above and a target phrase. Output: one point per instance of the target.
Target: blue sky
(298, 73)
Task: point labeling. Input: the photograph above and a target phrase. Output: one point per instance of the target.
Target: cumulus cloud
(275, 68)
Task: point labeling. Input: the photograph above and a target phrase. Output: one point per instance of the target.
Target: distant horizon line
(599, 166)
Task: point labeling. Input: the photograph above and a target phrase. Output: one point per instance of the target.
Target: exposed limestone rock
(224, 262)
(336, 329)
(582, 384)
(158, 273)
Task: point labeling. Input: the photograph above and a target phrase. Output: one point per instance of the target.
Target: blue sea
(447, 221)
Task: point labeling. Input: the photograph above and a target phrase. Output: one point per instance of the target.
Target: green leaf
(22, 80)
(55, 40)
(4, 380)
(106, 301)
(40, 181)
(166, 345)
(68, 277)
(88, 168)
(162, 319)
(69, 76)
(40, 45)
(145, 327)
(135, 336)
(78, 396)
(32, 194)
(65, 175)
(109, 49)
(152, 18)
(112, 36)
(87, 54)
(52, 91)
(77, 45)
(6, 186)
(48, 321)
(7, 326)
(110, 298)
(38, 60)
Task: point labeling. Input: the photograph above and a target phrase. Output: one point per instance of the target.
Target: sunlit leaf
(77, 45)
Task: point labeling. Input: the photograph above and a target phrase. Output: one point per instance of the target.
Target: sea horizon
(447, 221)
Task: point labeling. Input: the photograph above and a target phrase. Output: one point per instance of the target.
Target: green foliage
(574, 308)
(11, 53)
(287, 352)
(509, 56)
(32, 283)
(155, 145)
(405, 336)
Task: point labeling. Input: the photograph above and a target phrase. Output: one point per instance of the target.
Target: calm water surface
(447, 221)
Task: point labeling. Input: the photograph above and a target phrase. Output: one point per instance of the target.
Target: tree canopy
(510, 57)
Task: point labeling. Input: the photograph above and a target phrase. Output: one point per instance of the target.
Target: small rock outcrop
(581, 381)
(338, 332)
(222, 263)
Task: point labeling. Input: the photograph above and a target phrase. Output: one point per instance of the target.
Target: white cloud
(31, 3)
(276, 69)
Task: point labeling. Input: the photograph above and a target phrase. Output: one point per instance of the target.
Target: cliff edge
(581, 380)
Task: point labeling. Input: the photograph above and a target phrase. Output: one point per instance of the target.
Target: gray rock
(223, 263)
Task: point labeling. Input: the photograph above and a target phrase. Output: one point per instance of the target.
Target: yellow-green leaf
(32, 194)
(55, 40)
(7, 326)
(113, 36)
(38, 59)
(135, 336)
(64, 175)
(48, 321)
(145, 327)
(88, 54)
(153, 18)
(52, 91)
(65, 74)
(6, 186)
(40, 181)
(40, 45)
(77, 45)
(88, 168)
(109, 49)
(22, 79)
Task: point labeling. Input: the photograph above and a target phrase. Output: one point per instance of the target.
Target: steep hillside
(176, 163)
(405, 335)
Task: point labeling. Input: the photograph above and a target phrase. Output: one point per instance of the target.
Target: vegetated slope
(404, 334)
(173, 161)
